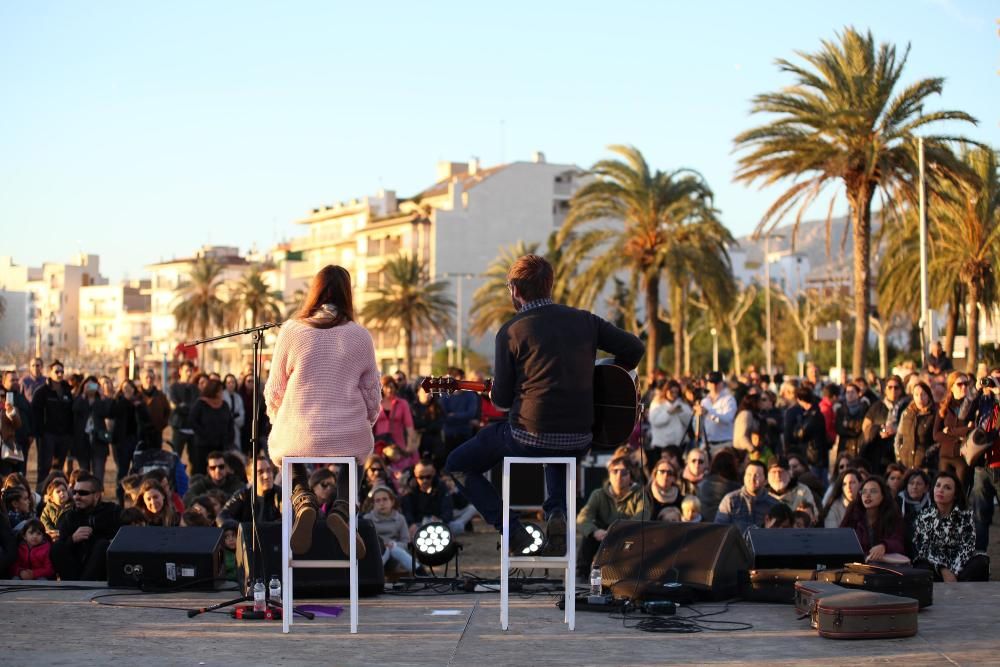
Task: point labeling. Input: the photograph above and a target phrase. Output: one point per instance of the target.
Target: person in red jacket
(34, 549)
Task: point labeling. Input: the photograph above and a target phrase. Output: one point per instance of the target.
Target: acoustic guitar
(616, 401)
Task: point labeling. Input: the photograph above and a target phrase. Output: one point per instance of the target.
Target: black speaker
(527, 483)
(155, 557)
(804, 548)
(309, 582)
(708, 558)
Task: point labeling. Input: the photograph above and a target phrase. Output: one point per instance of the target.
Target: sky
(139, 131)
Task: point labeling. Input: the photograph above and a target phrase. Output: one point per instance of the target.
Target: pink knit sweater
(323, 392)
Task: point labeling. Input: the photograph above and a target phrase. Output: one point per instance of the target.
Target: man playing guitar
(544, 365)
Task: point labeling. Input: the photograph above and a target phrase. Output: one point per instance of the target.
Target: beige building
(17, 330)
(115, 318)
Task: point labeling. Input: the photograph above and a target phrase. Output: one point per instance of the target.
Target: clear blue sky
(140, 130)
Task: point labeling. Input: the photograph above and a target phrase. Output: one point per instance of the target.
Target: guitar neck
(468, 385)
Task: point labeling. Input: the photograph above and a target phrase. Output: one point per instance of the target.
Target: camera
(987, 383)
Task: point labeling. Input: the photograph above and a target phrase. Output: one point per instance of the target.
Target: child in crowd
(691, 509)
(34, 557)
(133, 516)
(18, 505)
(391, 528)
(229, 549)
(192, 517)
(57, 503)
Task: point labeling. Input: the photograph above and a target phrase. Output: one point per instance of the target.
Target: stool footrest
(555, 560)
(320, 563)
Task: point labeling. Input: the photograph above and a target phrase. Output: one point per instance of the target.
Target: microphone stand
(256, 562)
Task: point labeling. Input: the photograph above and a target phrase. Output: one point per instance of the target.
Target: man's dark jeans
(489, 447)
(51, 455)
(985, 487)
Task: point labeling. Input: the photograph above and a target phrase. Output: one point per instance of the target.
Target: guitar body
(616, 402)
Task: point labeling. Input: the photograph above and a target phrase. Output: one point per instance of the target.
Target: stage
(65, 627)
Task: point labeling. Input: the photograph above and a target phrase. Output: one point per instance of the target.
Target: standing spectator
(246, 393)
(212, 424)
(34, 379)
(461, 412)
(158, 406)
(827, 408)
(427, 500)
(985, 415)
(618, 498)
(944, 537)
(669, 419)
(809, 434)
(849, 415)
(130, 420)
(880, 426)
(403, 388)
(91, 436)
(914, 442)
(52, 416)
(231, 395)
(10, 422)
(85, 532)
(746, 421)
(747, 507)
(845, 491)
(219, 477)
(814, 380)
(395, 424)
(22, 434)
(717, 411)
(183, 396)
(154, 503)
(875, 519)
(952, 427)
(938, 362)
(771, 421)
(720, 482)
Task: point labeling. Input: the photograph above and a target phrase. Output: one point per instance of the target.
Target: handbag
(11, 452)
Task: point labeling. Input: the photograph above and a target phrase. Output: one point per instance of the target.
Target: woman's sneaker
(337, 521)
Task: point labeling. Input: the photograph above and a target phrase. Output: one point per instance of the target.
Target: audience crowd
(911, 463)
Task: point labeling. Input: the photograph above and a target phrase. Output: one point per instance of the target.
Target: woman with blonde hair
(322, 396)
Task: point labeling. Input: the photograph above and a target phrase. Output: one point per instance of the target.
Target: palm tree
(199, 306)
(491, 304)
(294, 303)
(966, 224)
(844, 123)
(253, 294)
(410, 301)
(667, 229)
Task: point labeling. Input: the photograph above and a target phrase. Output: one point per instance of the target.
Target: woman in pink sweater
(322, 396)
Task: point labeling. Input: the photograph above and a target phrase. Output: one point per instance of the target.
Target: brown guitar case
(808, 593)
(865, 615)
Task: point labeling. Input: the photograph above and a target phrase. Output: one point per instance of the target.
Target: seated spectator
(57, 503)
(206, 506)
(798, 466)
(34, 553)
(672, 453)
(863, 466)
(695, 470)
(191, 518)
(801, 519)
(375, 474)
(944, 536)
(618, 498)
(670, 515)
(391, 528)
(748, 505)
(915, 495)
(662, 490)
(760, 449)
(427, 500)
(18, 503)
(16, 480)
(85, 532)
(462, 510)
(155, 505)
(721, 480)
(130, 490)
(219, 476)
(894, 474)
(268, 503)
(691, 509)
(783, 488)
(636, 458)
(845, 491)
(323, 483)
(875, 519)
(779, 516)
(159, 475)
(133, 516)
(229, 550)
(237, 463)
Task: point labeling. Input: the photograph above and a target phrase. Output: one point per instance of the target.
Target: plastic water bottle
(259, 603)
(595, 581)
(274, 588)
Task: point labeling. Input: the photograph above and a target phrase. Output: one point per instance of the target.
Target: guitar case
(900, 580)
(808, 594)
(865, 615)
(774, 585)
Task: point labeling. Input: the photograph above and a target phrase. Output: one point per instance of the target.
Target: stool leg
(286, 517)
(353, 500)
(505, 548)
(571, 545)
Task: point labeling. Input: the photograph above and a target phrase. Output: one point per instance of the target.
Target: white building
(17, 331)
(115, 318)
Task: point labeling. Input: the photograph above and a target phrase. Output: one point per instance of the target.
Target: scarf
(910, 506)
(323, 315)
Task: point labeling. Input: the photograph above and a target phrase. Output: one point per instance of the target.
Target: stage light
(434, 544)
(537, 539)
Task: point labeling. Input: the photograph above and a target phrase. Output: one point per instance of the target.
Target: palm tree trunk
(652, 307)
(861, 223)
(408, 362)
(972, 326)
(954, 308)
(677, 306)
(735, 341)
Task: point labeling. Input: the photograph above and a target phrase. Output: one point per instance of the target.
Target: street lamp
(459, 319)
(715, 349)
(767, 302)
(450, 344)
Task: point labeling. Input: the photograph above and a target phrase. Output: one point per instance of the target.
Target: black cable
(697, 622)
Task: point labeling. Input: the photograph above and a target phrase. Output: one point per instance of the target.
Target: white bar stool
(288, 563)
(567, 562)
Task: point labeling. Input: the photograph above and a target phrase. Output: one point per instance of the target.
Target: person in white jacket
(669, 418)
(236, 407)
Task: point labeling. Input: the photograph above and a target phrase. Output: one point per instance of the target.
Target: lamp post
(459, 318)
(450, 344)
(715, 349)
(926, 317)
(767, 302)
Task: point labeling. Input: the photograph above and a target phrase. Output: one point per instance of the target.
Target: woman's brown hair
(331, 285)
(949, 399)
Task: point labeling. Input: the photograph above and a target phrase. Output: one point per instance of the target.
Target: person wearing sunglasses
(880, 425)
(52, 416)
(219, 477)
(952, 426)
(85, 532)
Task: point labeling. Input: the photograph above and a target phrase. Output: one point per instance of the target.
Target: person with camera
(982, 450)
(951, 431)
(881, 424)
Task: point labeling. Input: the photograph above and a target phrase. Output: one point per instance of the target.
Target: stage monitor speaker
(154, 557)
(804, 548)
(706, 557)
(310, 582)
